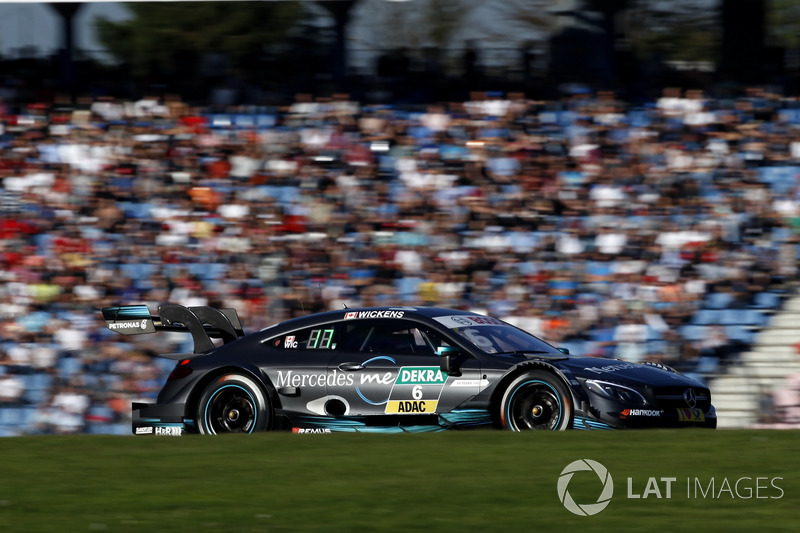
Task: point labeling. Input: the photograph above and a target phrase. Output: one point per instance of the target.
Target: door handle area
(351, 366)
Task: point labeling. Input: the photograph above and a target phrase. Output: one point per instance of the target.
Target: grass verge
(457, 481)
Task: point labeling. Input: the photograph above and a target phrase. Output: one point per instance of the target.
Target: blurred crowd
(599, 226)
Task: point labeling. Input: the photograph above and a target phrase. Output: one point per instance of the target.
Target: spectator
(564, 217)
(630, 337)
(12, 390)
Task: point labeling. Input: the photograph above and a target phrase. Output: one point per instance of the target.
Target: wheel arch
(514, 373)
(259, 377)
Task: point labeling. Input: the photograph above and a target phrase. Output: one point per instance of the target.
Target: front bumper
(620, 417)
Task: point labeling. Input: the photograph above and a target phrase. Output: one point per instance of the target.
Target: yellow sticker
(411, 406)
(691, 415)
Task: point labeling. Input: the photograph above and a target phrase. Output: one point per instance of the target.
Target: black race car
(395, 369)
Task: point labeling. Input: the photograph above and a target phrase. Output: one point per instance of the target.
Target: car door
(299, 366)
(390, 367)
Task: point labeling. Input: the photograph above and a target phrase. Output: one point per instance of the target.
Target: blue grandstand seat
(603, 335)
(653, 334)
(562, 118)
(264, 121)
(386, 163)
(705, 317)
(108, 429)
(69, 366)
(737, 332)
(598, 268)
(692, 332)
(36, 387)
(12, 416)
(656, 346)
(572, 177)
(754, 317)
(407, 287)
(729, 317)
(707, 364)
(766, 300)
(100, 414)
(638, 118)
(420, 133)
(718, 300)
(41, 380)
(792, 116)
(780, 179)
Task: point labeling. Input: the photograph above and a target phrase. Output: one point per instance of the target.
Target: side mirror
(446, 360)
(565, 351)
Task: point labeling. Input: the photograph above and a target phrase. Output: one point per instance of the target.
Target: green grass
(458, 481)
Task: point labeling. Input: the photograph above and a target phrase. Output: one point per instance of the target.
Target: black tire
(536, 400)
(233, 403)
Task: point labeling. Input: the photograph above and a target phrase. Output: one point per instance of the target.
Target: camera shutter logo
(588, 509)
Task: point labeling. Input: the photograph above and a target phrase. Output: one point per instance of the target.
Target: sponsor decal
(416, 390)
(133, 324)
(143, 431)
(373, 314)
(691, 415)
(380, 379)
(485, 320)
(480, 383)
(311, 430)
(461, 321)
(289, 342)
(420, 375)
(411, 406)
(169, 431)
(386, 379)
(321, 379)
(640, 412)
(612, 368)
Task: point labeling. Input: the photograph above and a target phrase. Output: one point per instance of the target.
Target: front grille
(675, 397)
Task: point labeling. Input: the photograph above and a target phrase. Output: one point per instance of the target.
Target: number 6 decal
(479, 340)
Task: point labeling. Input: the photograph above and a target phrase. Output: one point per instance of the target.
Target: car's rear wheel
(233, 403)
(536, 400)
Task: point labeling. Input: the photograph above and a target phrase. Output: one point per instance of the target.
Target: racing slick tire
(233, 403)
(536, 400)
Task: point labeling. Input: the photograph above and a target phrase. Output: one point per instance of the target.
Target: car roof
(390, 312)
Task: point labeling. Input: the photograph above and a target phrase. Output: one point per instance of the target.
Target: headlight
(615, 392)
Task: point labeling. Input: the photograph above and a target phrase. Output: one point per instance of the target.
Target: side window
(390, 337)
(323, 337)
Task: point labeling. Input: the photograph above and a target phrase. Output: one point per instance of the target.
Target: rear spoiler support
(203, 322)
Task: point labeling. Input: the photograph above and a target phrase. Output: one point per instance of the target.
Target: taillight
(181, 371)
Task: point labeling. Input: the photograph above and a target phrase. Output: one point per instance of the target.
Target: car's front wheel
(536, 400)
(233, 403)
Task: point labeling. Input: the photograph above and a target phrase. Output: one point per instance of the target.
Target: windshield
(495, 336)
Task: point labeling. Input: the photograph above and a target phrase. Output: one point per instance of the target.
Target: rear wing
(203, 323)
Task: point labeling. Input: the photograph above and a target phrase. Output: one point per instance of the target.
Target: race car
(395, 369)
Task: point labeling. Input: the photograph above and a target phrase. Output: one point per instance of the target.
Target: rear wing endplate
(203, 323)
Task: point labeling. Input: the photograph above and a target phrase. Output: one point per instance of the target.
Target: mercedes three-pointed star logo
(691, 398)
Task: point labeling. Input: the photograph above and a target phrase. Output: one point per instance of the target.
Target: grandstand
(570, 215)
